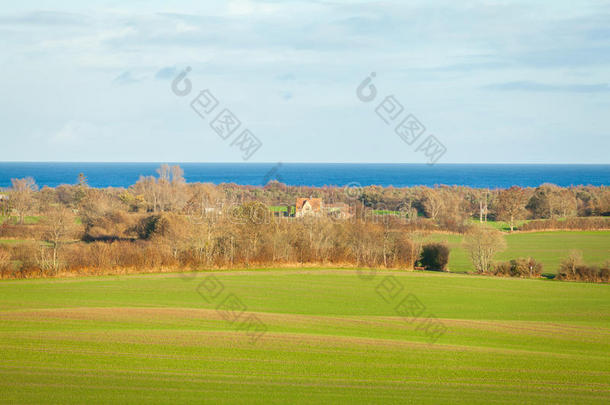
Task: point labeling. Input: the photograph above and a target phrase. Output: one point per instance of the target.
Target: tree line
(163, 222)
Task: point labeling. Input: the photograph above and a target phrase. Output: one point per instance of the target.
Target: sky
(492, 81)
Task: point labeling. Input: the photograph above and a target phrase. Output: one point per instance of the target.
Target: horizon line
(280, 162)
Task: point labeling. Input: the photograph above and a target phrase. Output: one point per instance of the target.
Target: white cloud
(292, 66)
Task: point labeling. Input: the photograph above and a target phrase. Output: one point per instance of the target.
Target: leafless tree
(565, 203)
(483, 200)
(22, 196)
(170, 188)
(60, 226)
(482, 243)
(511, 205)
(433, 203)
(569, 265)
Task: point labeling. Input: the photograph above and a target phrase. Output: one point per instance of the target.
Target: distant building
(339, 210)
(308, 207)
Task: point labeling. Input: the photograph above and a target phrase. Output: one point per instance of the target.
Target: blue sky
(495, 81)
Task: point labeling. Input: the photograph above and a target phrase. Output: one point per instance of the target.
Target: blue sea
(315, 174)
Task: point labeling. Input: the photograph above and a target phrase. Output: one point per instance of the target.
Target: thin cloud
(45, 18)
(125, 78)
(542, 87)
(166, 73)
(287, 95)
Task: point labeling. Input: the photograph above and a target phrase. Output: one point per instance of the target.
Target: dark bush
(435, 256)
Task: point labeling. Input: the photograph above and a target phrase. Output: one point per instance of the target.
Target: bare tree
(483, 198)
(204, 199)
(550, 201)
(21, 197)
(170, 188)
(433, 203)
(565, 203)
(482, 243)
(146, 187)
(60, 226)
(4, 208)
(568, 266)
(453, 209)
(407, 210)
(178, 196)
(511, 205)
(203, 211)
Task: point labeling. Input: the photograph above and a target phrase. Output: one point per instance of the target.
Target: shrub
(587, 273)
(567, 268)
(527, 268)
(406, 252)
(435, 256)
(25, 257)
(27, 231)
(577, 223)
(572, 268)
(5, 261)
(109, 226)
(502, 269)
(604, 273)
(149, 226)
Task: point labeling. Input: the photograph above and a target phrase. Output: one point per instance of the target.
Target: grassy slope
(548, 247)
(331, 338)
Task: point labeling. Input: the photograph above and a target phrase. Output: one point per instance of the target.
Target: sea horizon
(478, 175)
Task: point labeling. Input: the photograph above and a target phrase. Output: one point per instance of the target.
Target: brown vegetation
(164, 223)
(525, 268)
(573, 268)
(577, 223)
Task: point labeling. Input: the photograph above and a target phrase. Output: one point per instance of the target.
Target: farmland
(332, 336)
(550, 248)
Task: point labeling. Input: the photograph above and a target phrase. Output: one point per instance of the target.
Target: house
(306, 207)
(339, 210)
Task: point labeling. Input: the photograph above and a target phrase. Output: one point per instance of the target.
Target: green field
(550, 248)
(501, 225)
(12, 241)
(14, 220)
(331, 338)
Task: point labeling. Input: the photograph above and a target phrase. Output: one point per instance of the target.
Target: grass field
(501, 225)
(12, 241)
(550, 248)
(331, 338)
(14, 220)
